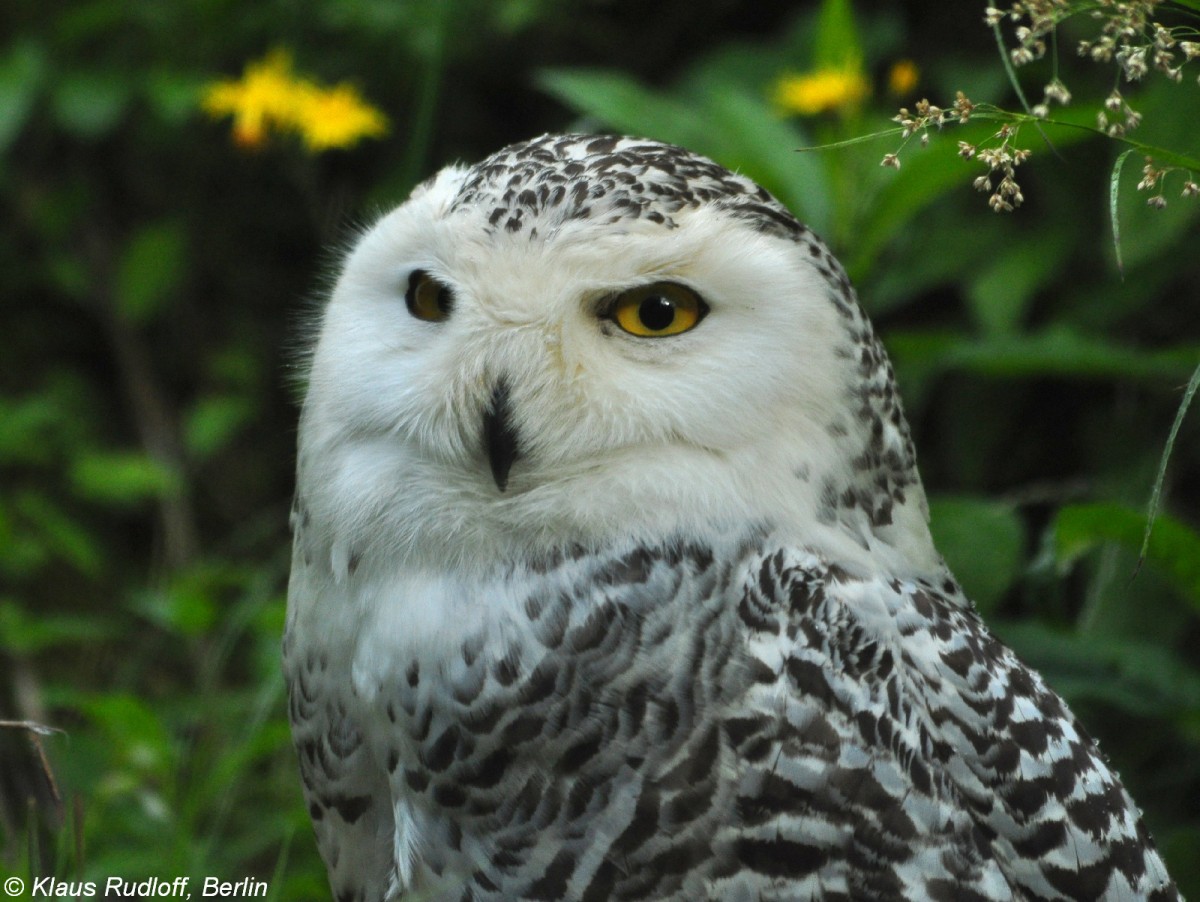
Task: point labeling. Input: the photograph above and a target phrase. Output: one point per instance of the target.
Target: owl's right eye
(427, 298)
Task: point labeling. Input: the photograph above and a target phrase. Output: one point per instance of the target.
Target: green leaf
(135, 731)
(26, 634)
(1002, 290)
(982, 542)
(59, 534)
(747, 136)
(1055, 351)
(1173, 548)
(26, 425)
(187, 608)
(150, 270)
(838, 45)
(90, 104)
(122, 478)
(22, 75)
(727, 122)
(619, 101)
(172, 95)
(214, 421)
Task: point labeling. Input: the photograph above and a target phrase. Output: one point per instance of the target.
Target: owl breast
(587, 717)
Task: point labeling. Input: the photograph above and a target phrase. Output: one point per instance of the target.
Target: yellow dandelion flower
(337, 117)
(270, 97)
(903, 77)
(821, 91)
(262, 99)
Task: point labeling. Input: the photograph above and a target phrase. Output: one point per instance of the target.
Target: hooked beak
(499, 437)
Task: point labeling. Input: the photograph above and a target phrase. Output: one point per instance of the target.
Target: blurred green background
(155, 276)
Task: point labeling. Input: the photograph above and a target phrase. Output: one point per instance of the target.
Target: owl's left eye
(427, 298)
(658, 309)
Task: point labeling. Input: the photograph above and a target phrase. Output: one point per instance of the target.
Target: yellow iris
(659, 309)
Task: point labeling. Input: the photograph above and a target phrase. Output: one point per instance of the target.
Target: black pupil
(656, 313)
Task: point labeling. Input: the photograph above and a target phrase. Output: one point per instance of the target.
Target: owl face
(580, 344)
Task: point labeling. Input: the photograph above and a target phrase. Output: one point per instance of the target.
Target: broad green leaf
(925, 174)
(59, 534)
(89, 104)
(982, 542)
(731, 124)
(214, 421)
(619, 101)
(837, 41)
(186, 607)
(26, 425)
(136, 731)
(122, 478)
(747, 136)
(26, 634)
(1055, 351)
(1001, 290)
(150, 269)
(173, 95)
(1173, 549)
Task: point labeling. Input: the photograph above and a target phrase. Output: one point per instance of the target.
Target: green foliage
(982, 542)
(1172, 545)
(153, 280)
(151, 266)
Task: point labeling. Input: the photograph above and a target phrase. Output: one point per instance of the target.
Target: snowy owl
(612, 576)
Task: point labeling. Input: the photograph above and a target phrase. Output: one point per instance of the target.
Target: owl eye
(427, 298)
(659, 309)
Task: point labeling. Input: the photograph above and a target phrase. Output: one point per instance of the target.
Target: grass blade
(1156, 495)
(1113, 183)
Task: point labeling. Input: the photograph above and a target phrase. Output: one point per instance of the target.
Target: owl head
(584, 339)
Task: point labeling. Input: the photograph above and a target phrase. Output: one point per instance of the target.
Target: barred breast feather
(728, 721)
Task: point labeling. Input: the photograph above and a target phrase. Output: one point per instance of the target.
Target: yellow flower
(821, 91)
(903, 77)
(262, 99)
(337, 117)
(271, 97)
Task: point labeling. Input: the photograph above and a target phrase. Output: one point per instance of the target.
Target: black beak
(499, 437)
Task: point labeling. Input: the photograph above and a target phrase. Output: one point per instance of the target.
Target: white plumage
(612, 576)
